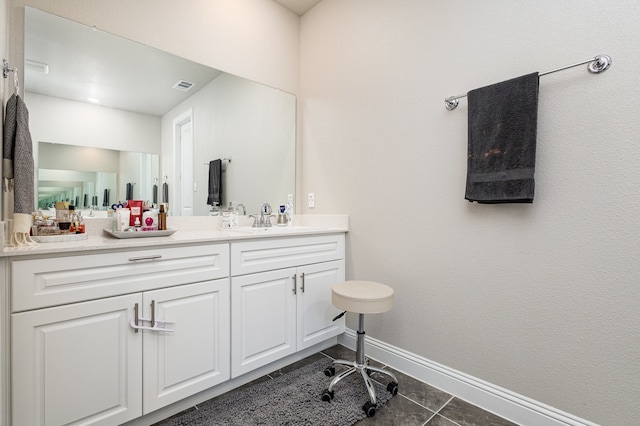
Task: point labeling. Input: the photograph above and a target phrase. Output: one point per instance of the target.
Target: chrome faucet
(244, 209)
(265, 217)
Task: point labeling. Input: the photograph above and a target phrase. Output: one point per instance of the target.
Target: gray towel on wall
(17, 155)
(502, 129)
(215, 183)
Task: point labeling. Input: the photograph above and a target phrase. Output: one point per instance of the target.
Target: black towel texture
(105, 198)
(214, 197)
(129, 194)
(502, 129)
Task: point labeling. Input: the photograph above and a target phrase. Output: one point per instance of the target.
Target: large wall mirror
(109, 116)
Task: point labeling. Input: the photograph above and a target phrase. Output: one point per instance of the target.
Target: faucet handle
(267, 220)
(255, 221)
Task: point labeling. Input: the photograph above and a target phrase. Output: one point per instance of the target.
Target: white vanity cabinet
(195, 355)
(281, 297)
(76, 362)
(76, 356)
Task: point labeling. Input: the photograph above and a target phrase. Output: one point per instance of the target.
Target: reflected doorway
(183, 164)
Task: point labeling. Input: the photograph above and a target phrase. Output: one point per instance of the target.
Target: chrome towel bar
(596, 65)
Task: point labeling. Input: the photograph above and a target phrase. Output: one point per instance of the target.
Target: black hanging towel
(214, 197)
(502, 129)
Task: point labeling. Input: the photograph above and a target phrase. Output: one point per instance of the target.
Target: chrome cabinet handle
(135, 316)
(294, 277)
(302, 287)
(155, 325)
(140, 258)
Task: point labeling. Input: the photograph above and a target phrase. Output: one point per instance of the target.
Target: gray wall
(540, 299)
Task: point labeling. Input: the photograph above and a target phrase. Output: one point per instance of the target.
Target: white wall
(68, 122)
(249, 122)
(540, 299)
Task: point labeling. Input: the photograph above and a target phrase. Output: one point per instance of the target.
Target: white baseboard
(502, 402)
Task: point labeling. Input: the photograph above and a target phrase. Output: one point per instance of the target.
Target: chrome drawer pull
(302, 288)
(139, 258)
(294, 284)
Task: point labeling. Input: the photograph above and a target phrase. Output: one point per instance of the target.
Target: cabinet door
(263, 315)
(195, 355)
(315, 311)
(77, 363)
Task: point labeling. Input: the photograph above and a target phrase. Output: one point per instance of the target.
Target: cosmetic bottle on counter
(162, 219)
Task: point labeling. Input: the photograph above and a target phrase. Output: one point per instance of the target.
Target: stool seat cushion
(363, 297)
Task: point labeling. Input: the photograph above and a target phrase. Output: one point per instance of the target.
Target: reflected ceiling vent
(36, 66)
(183, 85)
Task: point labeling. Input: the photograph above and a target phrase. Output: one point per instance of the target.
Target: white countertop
(189, 230)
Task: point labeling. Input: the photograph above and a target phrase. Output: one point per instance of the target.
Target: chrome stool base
(361, 364)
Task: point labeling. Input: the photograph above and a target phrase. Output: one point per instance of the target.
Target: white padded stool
(362, 297)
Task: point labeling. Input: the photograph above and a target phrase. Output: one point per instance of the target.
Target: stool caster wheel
(369, 408)
(329, 371)
(393, 388)
(326, 395)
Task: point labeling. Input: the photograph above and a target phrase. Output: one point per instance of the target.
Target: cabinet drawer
(248, 257)
(37, 283)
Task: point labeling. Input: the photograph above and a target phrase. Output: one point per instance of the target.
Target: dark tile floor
(416, 404)
(419, 404)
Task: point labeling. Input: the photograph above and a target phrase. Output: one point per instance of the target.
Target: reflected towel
(502, 141)
(155, 194)
(165, 192)
(214, 197)
(105, 198)
(129, 191)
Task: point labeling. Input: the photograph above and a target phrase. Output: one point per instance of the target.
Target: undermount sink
(274, 229)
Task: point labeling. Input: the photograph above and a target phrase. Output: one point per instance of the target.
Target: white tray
(59, 238)
(139, 234)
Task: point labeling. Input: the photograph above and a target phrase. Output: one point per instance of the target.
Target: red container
(135, 206)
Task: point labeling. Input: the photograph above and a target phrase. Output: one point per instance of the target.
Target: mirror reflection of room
(80, 98)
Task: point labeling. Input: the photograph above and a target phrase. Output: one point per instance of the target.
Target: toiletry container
(162, 218)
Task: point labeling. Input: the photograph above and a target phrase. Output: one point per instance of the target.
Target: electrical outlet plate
(290, 199)
(312, 200)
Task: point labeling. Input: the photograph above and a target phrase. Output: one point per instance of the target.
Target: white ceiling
(299, 7)
(86, 63)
